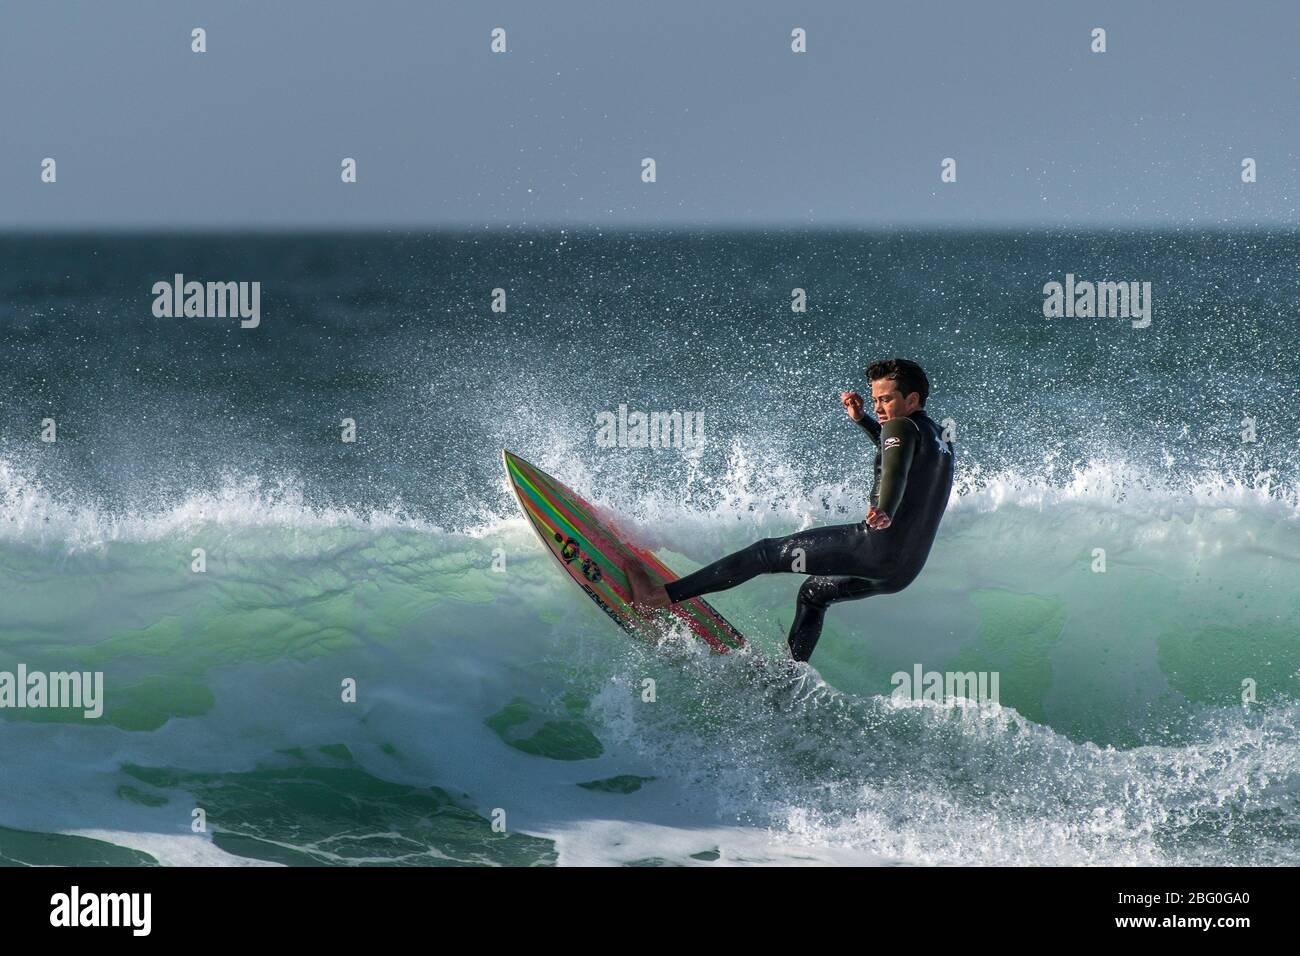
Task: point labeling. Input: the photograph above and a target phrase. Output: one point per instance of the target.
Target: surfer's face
(889, 401)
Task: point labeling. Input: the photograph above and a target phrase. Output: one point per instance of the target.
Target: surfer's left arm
(854, 405)
(897, 446)
(870, 426)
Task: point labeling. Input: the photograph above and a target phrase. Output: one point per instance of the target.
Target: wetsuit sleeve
(870, 426)
(898, 444)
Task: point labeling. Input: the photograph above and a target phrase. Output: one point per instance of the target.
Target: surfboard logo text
(569, 551)
(626, 429)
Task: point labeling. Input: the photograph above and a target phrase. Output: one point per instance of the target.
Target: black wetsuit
(849, 561)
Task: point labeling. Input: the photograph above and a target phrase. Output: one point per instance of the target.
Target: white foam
(31, 513)
(759, 492)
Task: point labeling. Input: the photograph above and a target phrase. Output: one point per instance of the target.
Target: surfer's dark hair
(909, 376)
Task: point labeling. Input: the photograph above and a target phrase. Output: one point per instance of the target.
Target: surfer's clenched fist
(853, 404)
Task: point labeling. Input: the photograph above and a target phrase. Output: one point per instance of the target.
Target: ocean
(326, 652)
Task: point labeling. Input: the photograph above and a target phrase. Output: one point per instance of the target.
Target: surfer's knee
(813, 592)
(767, 551)
(897, 582)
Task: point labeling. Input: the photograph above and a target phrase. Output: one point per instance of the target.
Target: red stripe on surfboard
(544, 486)
(547, 493)
(554, 528)
(683, 610)
(562, 508)
(601, 540)
(604, 541)
(695, 602)
(608, 546)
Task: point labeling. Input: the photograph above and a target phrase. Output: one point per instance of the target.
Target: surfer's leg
(835, 549)
(736, 568)
(818, 593)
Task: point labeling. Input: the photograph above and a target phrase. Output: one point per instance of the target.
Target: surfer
(879, 555)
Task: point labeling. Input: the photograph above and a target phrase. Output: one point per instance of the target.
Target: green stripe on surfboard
(540, 511)
(538, 486)
(586, 539)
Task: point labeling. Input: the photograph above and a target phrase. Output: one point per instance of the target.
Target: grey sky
(745, 132)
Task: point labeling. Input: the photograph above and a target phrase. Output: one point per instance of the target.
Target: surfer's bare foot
(647, 595)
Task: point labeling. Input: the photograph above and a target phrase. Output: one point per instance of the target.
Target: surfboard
(593, 552)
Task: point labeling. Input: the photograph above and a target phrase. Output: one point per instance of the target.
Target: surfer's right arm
(853, 404)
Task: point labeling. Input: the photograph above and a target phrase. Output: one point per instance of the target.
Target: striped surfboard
(592, 551)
